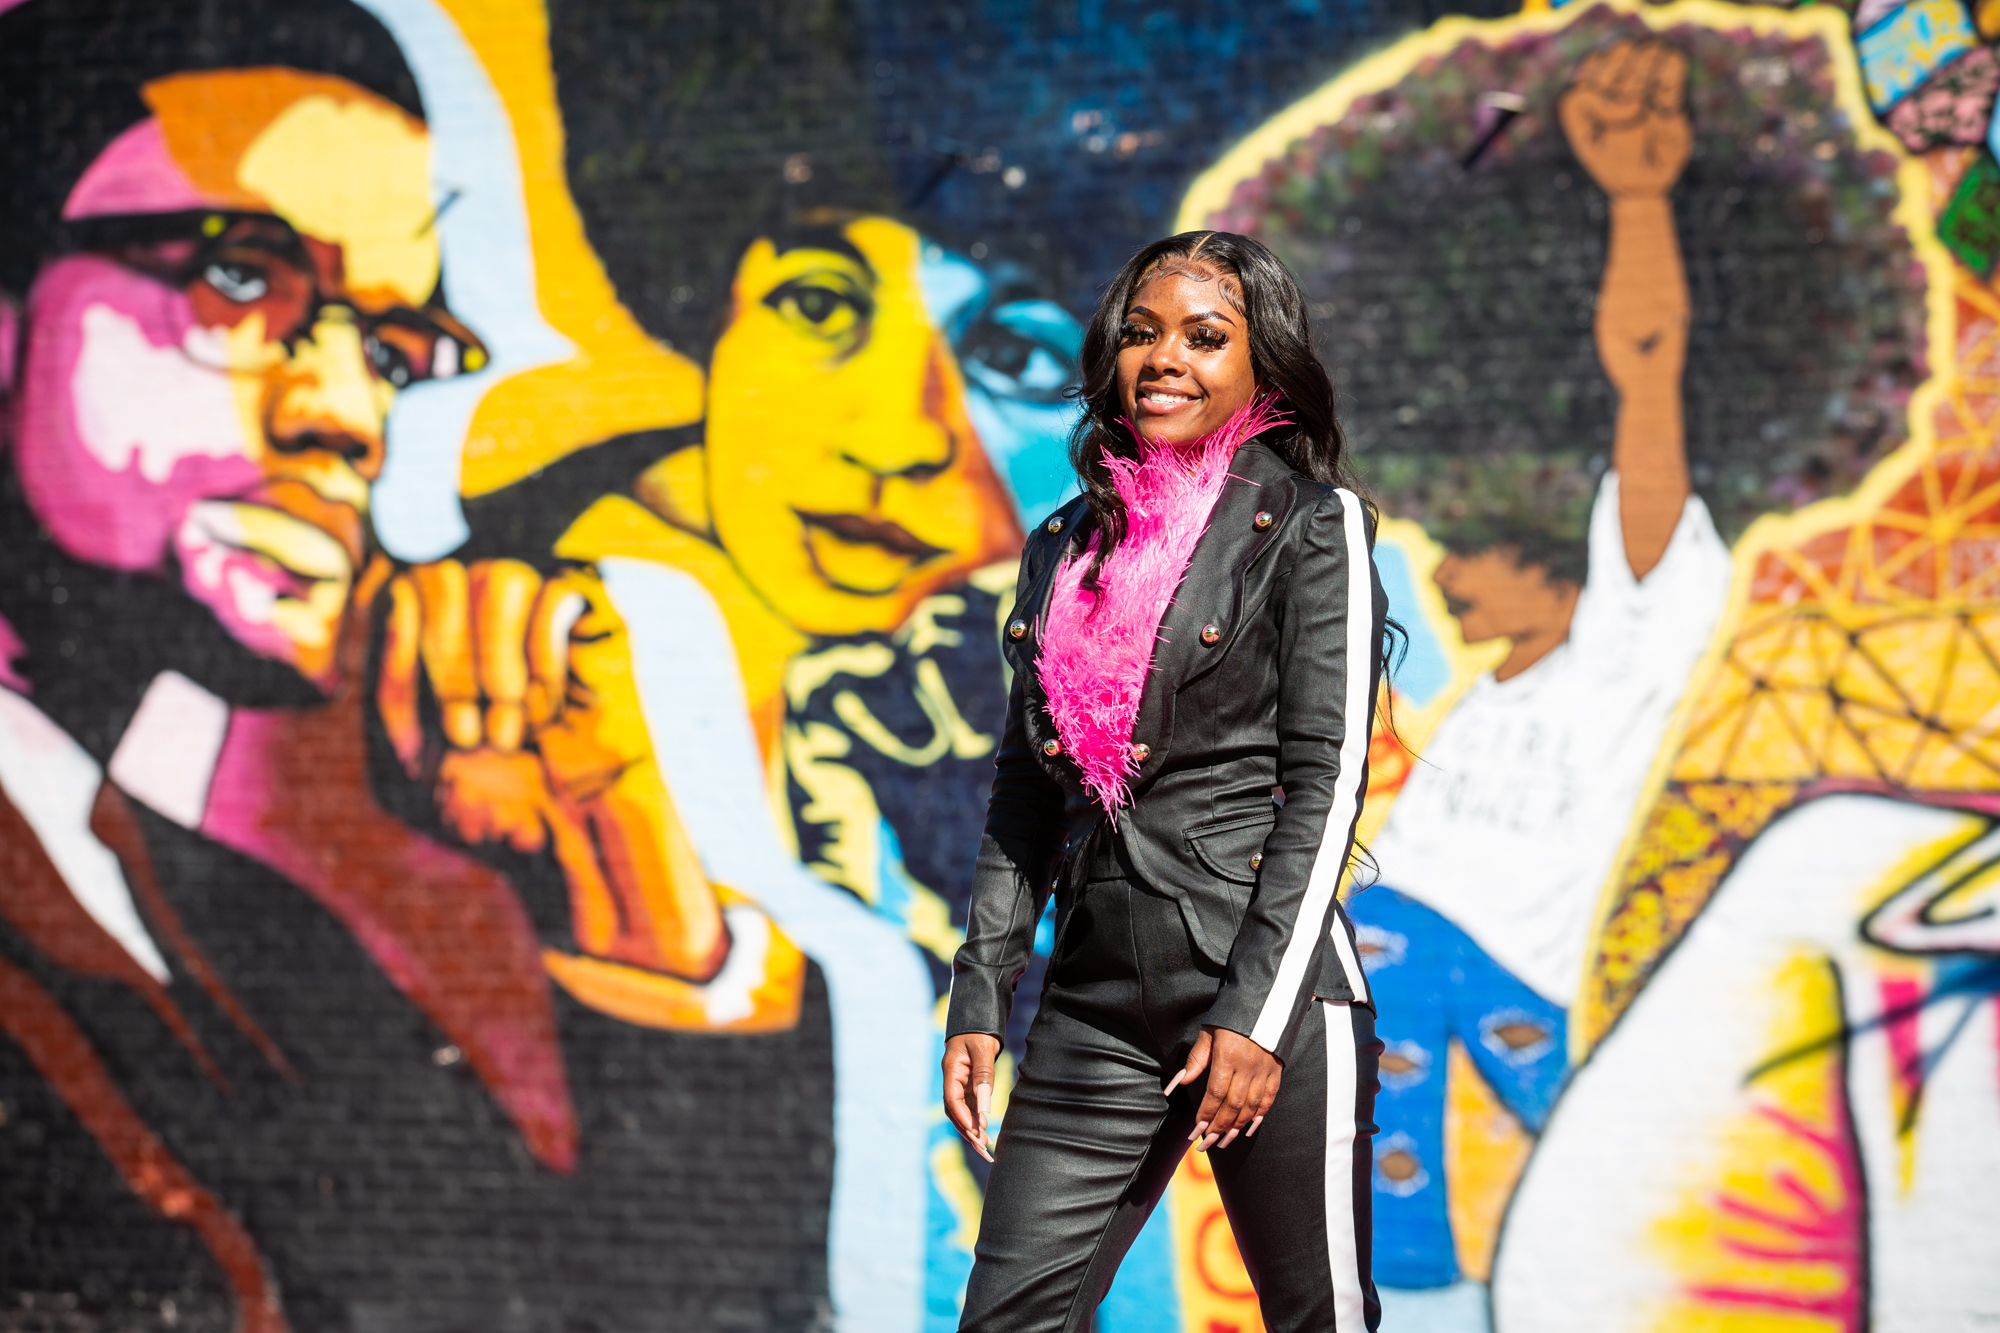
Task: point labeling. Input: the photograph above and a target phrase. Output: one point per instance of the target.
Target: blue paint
(1434, 985)
(489, 281)
(1012, 75)
(1424, 671)
(1909, 45)
(947, 1262)
(1017, 351)
(1143, 1298)
(895, 891)
(879, 990)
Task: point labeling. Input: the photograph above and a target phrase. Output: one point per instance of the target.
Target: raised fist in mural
(1626, 118)
(545, 747)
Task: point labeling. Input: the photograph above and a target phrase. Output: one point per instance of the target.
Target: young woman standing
(1197, 644)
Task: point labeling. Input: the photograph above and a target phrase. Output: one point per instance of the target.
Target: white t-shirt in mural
(1510, 821)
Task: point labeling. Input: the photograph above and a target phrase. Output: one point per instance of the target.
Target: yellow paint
(954, 1181)
(619, 526)
(311, 621)
(929, 923)
(832, 396)
(1214, 1287)
(1945, 861)
(1707, 740)
(654, 1000)
(337, 162)
(1485, 1151)
(1744, 1227)
(358, 174)
(841, 804)
(619, 379)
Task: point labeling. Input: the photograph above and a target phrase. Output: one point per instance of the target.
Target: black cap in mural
(71, 72)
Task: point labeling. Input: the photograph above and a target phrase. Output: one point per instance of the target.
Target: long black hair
(1266, 294)
(1264, 291)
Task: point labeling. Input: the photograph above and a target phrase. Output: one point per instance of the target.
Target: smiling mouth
(1164, 400)
(855, 530)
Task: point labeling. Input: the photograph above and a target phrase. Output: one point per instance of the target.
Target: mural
(505, 514)
(1630, 1095)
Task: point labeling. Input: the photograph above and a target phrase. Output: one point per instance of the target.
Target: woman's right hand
(968, 1085)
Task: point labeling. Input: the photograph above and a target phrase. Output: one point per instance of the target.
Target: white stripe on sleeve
(1335, 839)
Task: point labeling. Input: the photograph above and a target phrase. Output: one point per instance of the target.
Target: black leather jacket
(1283, 697)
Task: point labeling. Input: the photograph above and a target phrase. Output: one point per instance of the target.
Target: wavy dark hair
(1266, 294)
(1264, 291)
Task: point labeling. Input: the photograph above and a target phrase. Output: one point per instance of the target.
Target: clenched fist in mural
(1626, 116)
(546, 749)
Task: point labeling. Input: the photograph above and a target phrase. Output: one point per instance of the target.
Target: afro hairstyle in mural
(1452, 247)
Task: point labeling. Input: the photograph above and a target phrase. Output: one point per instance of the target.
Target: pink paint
(1829, 1231)
(109, 499)
(291, 791)
(1902, 1010)
(136, 174)
(10, 343)
(12, 650)
(242, 587)
(1098, 647)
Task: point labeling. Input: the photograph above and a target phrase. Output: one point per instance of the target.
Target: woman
(1197, 645)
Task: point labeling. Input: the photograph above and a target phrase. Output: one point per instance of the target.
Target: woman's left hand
(1242, 1083)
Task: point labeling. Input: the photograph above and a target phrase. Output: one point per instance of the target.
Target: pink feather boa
(1098, 647)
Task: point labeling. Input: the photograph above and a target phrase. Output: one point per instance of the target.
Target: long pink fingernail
(1252, 1131)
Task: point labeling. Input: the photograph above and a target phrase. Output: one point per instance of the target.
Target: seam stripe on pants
(1349, 1311)
(1328, 865)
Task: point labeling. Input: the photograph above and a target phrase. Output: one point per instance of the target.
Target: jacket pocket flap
(1233, 850)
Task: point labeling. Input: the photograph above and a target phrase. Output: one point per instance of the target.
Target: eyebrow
(1195, 318)
(828, 242)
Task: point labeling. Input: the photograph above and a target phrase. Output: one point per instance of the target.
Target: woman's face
(845, 477)
(1184, 355)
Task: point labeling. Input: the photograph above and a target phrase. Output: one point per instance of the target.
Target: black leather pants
(1088, 1144)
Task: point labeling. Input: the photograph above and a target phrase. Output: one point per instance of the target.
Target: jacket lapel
(1210, 592)
(1022, 653)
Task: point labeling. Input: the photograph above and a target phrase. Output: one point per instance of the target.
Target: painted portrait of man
(272, 1058)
